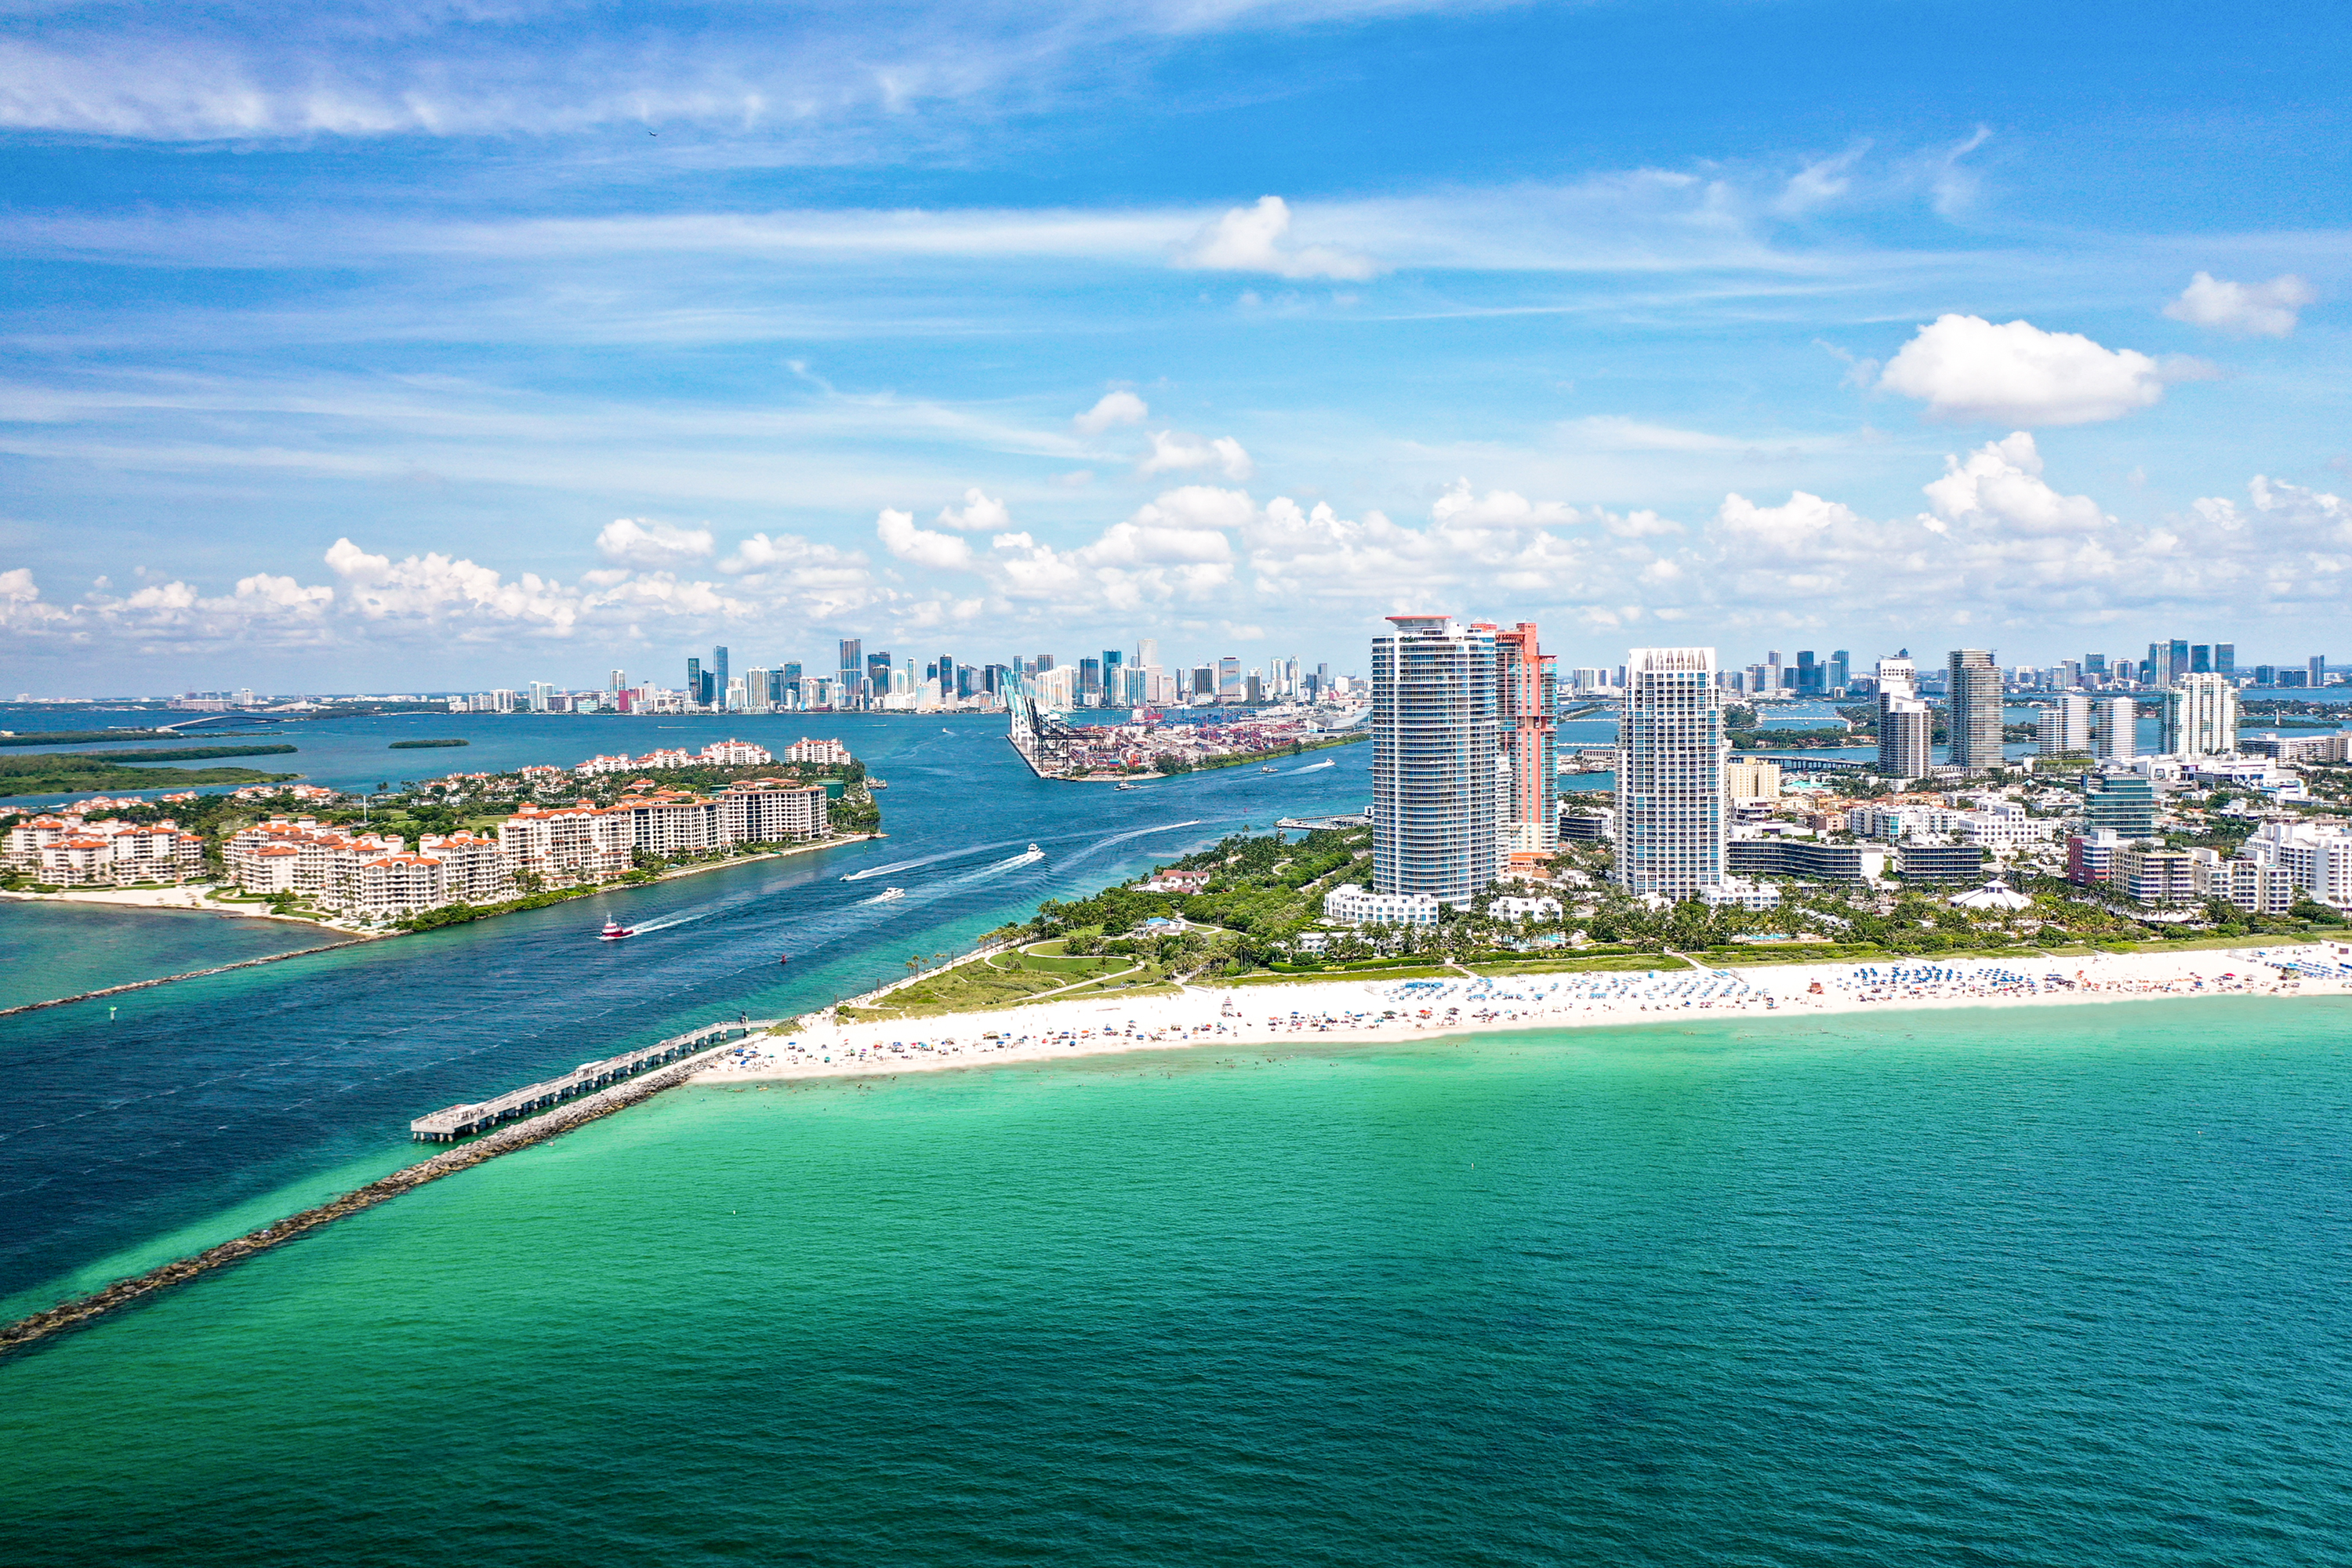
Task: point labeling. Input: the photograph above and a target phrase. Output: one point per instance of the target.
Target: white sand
(1389, 1010)
(188, 896)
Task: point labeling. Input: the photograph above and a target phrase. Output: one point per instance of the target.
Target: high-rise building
(1972, 709)
(1434, 762)
(2201, 716)
(1907, 737)
(1526, 685)
(1204, 684)
(2115, 729)
(2225, 659)
(1841, 670)
(719, 667)
(851, 672)
(2201, 658)
(877, 677)
(2095, 664)
(1809, 683)
(2121, 804)
(1670, 756)
(2318, 668)
(1229, 678)
(1146, 653)
(1090, 682)
(1906, 726)
(693, 680)
(616, 681)
(947, 678)
(1114, 677)
(2063, 727)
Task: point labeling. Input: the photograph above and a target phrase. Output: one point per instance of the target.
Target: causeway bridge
(464, 1120)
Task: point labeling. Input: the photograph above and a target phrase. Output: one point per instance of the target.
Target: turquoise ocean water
(2063, 1286)
(2057, 1286)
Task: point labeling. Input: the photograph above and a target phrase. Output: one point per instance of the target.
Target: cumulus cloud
(1965, 368)
(1113, 408)
(1499, 508)
(2001, 483)
(901, 538)
(2248, 310)
(1255, 239)
(1175, 451)
(642, 542)
(980, 514)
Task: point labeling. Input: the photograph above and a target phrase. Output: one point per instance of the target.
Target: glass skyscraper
(1436, 803)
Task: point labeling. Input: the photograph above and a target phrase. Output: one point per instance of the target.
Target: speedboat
(1269, 768)
(1125, 786)
(614, 931)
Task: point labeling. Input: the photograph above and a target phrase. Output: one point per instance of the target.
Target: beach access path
(1374, 1010)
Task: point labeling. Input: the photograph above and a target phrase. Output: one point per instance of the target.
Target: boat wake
(929, 860)
(1312, 768)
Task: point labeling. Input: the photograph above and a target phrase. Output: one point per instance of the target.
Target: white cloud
(1965, 368)
(901, 538)
(2250, 310)
(2001, 484)
(642, 542)
(1499, 508)
(1112, 408)
(1175, 451)
(1818, 183)
(1253, 239)
(981, 514)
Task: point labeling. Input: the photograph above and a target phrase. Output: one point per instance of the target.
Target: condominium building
(1972, 709)
(2153, 875)
(2201, 716)
(71, 850)
(2063, 729)
(1906, 727)
(2318, 858)
(1751, 780)
(1526, 688)
(2122, 803)
(1435, 760)
(1351, 904)
(2115, 729)
(1670, 758)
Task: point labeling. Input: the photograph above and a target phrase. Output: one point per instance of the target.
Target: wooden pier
(464, 1120)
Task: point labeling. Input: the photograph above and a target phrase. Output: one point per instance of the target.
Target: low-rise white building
(2319, 858)
(1350, 904)
(818, 754)
(1513, 908)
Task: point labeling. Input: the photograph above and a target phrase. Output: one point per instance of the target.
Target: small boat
(1124, 786)
(614, 931)
(1267, 769)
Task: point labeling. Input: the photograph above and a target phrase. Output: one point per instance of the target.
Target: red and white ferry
(614, 931)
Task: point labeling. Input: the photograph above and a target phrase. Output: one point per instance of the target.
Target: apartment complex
(71, 850)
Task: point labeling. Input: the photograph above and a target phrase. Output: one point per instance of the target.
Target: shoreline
(195, 895)
(1370, 1012)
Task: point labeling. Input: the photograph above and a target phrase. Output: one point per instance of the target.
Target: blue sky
(399, 346)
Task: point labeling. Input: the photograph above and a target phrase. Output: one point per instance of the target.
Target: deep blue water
(206, 1094)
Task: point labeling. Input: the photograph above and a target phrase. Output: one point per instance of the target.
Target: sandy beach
(1366, 1011)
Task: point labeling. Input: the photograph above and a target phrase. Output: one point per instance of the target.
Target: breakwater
(518, 1135)
(188, 974)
